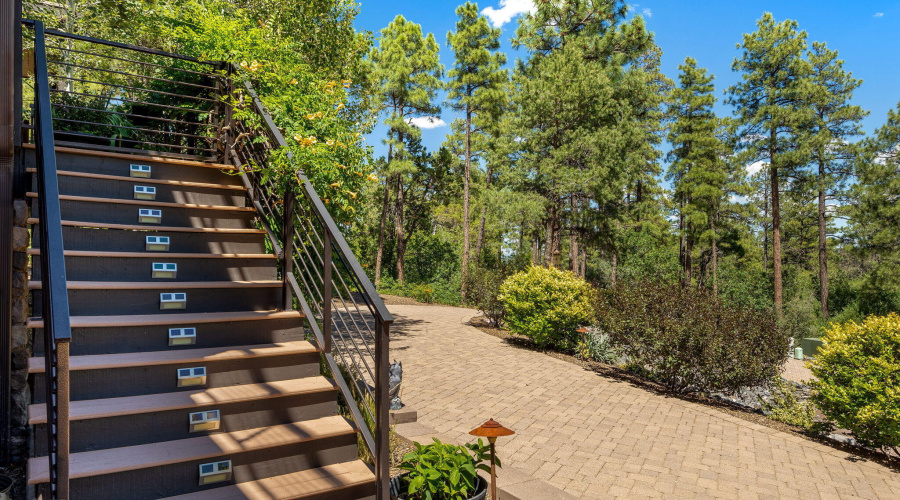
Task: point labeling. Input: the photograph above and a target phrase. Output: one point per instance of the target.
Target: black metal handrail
(54, 297)
(346, 316)
(126, 98)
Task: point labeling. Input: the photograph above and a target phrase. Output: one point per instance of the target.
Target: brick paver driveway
(599, 438)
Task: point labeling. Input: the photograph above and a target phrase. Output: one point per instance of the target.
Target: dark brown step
(349, 480)
(154, 229)
(90, 298)
(135, 266)
(102, 376)
(98, 239)
(171, 468)
(120, 334)
(99, 162)
(164, 182)
(128, 421)
(111, 211)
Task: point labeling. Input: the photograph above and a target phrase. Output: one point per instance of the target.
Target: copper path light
(492, 430)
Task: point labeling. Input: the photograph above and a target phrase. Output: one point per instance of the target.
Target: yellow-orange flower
(330, 142)
(373, 177)
(335, 184)
(298, 138)
(340, 106)
(346, 83)
(244, 64)
(293, 82)
(310, 116)
(352, 194)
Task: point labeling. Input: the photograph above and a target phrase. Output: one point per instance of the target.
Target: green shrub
(483, 291)
(858, 386)
(687, 340)
(547, 305)
(439, 471)
(597, 346)
(786, 407)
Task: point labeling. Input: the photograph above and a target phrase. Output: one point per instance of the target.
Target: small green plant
(596, 346)
(858, 386)
(440, 471)
(547, 305)
(787, 408)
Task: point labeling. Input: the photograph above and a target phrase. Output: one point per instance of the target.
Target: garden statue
(395, 380)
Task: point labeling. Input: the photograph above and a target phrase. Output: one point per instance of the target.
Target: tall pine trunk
(384, 210)
(466, 181)
(776, 228)
(765, 226)
(715, 257)
(399, 233)
(823, 243)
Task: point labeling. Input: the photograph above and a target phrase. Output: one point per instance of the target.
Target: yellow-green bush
(858, 386)
(547, 305)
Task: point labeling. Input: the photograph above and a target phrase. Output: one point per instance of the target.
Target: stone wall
(21, 336)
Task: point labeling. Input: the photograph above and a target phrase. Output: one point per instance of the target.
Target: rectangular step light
(204, 421)
(164, 270)
(191, 376)
(140, 170)
(215, 472)
(157, 244)
(173, 300)
(182, 336)
(149, 216)
(144, 193)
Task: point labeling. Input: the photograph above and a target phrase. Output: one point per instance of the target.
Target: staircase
(196, 335)
(215, 396)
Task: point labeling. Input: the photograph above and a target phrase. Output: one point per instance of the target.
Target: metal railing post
(62, 419)
(382, 411)
(287, 248)
(326, 292)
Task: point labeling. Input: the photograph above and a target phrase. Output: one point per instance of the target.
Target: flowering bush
(858, 386)
(547, 305)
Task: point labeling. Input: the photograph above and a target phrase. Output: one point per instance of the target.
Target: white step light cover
(164, 270)
(140, 170)
(144, 193)
(149, 216)
(170, 300)
(191, 376)
(215, 472)
(157, 244)
(208, 420)
(182, 336)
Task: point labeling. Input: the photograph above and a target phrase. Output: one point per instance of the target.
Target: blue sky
(865, 32)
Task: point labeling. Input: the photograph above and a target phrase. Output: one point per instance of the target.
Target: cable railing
(347, 318)
(54, 298)
(124, 98)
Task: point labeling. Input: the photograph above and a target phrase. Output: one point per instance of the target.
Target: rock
(20, 239)
(20, 359)
(20, 261)
(20, 336)
(20, 310)
(20, 212)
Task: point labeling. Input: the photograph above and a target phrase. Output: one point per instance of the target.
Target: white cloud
(879, 14)
(755, 167)
(647, 12)
(426, 122)
(507, 11)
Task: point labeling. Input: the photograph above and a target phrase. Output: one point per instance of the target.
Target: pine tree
(476, 88)
(769, 102)
(836, 121)
(408, 75)
(699, 169)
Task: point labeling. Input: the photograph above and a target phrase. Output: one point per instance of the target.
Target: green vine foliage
(440, 471)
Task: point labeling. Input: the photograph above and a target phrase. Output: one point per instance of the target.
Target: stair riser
(120, 213)
(182, 478)
(140, 269)
(139, 380)
(156, 337)
(82, 238)
(121, 167)
(120, 189)
(103, 433)
(107, 302)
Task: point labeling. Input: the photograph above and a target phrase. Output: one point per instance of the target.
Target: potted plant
(440, 471)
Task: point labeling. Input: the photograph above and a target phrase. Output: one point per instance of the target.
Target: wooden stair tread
(158, 255)
(161, 285)
(155, 229)
(132, 405)
(143, 180)
(137, 157)
(169, 319)
(296, 485)
(100, 462)
(166, 204)
(180, 356)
